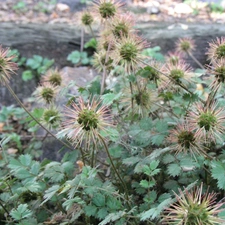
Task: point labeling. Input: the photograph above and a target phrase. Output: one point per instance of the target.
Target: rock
(62, 7)
(182, 8)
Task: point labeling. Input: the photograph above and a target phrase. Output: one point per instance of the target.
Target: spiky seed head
(106, 9)
(185, 45)
(7, 66)
(87, 19)
(53, 76)
(182, 140)
(128, 53)
(46, 93)
(194, 208)
(216, 49)
(84, 121)
(207, 121)
(88, 119)
(51, 117)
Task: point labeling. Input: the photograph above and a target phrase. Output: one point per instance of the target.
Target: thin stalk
(21, 105)
(196, 61)
(82, 40)
(4, 207)
(132, 98)
(105, 70)
(92, 32)
(113, 166)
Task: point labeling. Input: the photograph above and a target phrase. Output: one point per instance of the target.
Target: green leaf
(90, 210)
(161, 125)
(112, 217)
(27, 75)
(21, 212)
(99, 200)
(25, 160)
(92, 43)
(154, 164)
(174, 169)
(144, 183)
(34, 62)
(102, 213)
(157, 139)
(74, 57)
(109, 98)
(146, 124)
(155, 212)
(218, 171)
(49, 193)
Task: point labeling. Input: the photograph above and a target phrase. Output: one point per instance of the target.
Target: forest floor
(65, 11)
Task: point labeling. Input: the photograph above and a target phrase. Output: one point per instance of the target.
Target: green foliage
(127, 166)
(77, 57)
(154, 53)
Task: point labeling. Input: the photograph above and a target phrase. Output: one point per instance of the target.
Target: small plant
(20, 7)
(139, 133)
(77, 58)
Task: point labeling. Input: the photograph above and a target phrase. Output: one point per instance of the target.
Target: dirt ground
(65, 11)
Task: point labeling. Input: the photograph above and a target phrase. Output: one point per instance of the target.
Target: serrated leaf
(155, 212)
(161, 126)
(102, 213)
(49, 193)
(144, 184)
(21, 212)
(168, 158)
(154, 164)
(25, 159)
(146, 124)
(157, 139)
(174, 169)
(218, 171)
(109, 98)
(98, 200)
(112, 217)
(90, 210)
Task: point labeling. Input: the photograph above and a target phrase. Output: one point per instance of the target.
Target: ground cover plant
(145, 139)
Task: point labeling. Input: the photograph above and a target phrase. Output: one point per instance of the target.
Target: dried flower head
(216, 49)
(142, 98)
(53, 76)
(84, 121)
(185, 45)
(176, 75)
(217, 69)
(207, 121)
(174, 57)
(7, 67)
(46, 93)
(87, 18)
(194, 208)
(182, 140)
(106, 9)
(100, 60)
(51, 117)
(128, 51)
(122, 25)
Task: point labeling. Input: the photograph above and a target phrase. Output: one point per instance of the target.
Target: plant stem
(21, 105)
(82, 40)
(105, 70)
(4, 207)
(193, 57)
(114, 168)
